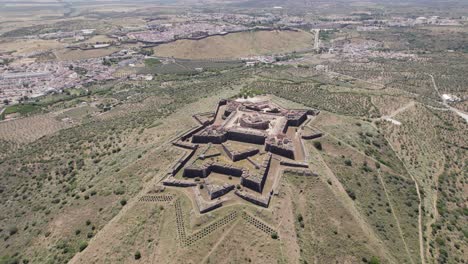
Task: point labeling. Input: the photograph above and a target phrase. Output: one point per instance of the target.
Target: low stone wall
(258, 200)
(203, 206)
(300, 172)
(294, 164)
(204, 156)
(171, 181)
(181, 162)
(186, 145)
(312, 135)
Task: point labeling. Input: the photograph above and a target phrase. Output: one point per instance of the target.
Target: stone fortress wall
(262, 123)
(202, 171)
(216, 191)
(256, 181)
(235, 155)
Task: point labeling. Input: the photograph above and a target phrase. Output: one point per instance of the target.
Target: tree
(6, 101)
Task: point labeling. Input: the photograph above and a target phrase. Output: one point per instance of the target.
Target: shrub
(123, 202)
(119, 191)
(12, 230)
(318, 145)
(300, 218)
(348, 162)
(274, 235)
(351, 194)
(83, 245)
(137, 255)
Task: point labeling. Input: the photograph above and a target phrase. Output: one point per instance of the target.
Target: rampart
(204, 206)
(191, 132)
(204, 170)
(181, 162)
(216, 191)
(263, 201)
(282, 147)
(257, 181)
(235, 155)
(296, 117)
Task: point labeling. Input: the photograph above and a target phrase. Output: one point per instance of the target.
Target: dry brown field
(237, 45)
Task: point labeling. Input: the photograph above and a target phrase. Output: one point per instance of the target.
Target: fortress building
(242, 146)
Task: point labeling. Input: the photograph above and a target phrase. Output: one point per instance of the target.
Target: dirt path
(444, 102)
(317, 40)
(434, 208)
(394, 216)
(396, 112)
(401, 109)
(420, 228)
